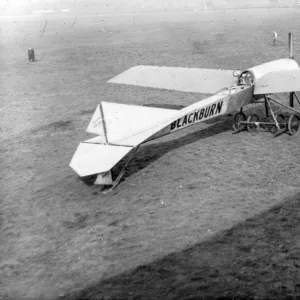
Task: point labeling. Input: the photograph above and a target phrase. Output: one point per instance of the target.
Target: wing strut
(292, 94)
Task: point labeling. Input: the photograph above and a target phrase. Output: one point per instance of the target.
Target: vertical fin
(97, 124)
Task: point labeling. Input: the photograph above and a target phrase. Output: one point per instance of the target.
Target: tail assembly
(121, 129)
(127, 125)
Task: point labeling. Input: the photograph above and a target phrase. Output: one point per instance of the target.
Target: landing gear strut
(278, 123)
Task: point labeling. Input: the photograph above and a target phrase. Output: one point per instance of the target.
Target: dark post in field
(291, 56)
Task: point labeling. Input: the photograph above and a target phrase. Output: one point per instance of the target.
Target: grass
(202, 213)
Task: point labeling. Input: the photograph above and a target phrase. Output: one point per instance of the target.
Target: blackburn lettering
(197, 116)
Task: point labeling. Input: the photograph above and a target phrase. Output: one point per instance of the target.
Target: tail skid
(120, 176)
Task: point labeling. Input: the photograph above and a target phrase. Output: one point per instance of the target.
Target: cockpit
(246, 78)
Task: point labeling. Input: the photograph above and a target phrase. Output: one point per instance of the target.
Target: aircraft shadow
(147, 154)
(256, 259)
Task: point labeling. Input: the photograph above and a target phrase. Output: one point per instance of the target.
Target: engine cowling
(250, 76)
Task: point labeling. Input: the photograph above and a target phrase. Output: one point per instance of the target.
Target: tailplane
(94, 158)
(127, 125)
(120, 129)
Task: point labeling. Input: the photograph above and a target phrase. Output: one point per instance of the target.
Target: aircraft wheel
(282, 125)
(237, 125)
(280, 119)
(294, 124)
(250, 126)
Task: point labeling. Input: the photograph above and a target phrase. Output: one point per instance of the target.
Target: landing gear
(277, 123)
(253, 123)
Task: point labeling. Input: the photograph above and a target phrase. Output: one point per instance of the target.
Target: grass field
(201, 214)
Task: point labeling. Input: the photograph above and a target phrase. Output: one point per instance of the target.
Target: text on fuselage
(196, 116)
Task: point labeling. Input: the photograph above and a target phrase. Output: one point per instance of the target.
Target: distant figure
(31, 56)
(275, 38)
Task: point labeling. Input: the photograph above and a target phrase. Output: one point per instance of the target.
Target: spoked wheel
(294, 124)
(252, 123)
(237, 125)
(282, 126)
(281, 121)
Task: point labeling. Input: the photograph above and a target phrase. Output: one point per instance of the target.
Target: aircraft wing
(278, 82)
(194, 80)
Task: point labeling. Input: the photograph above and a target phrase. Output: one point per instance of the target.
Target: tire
(251, 119)
(294, 124)
(281, 120)
(240, 116)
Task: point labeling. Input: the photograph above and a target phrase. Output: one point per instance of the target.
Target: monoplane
(122, 128)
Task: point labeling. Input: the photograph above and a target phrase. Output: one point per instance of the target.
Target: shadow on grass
(258, 258)
(149, 153)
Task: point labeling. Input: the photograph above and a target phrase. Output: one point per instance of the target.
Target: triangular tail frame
(121, 174)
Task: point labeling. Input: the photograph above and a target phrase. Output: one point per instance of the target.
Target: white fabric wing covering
(194, 80)
(128, 125)
(278, 82)
(92, 159)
